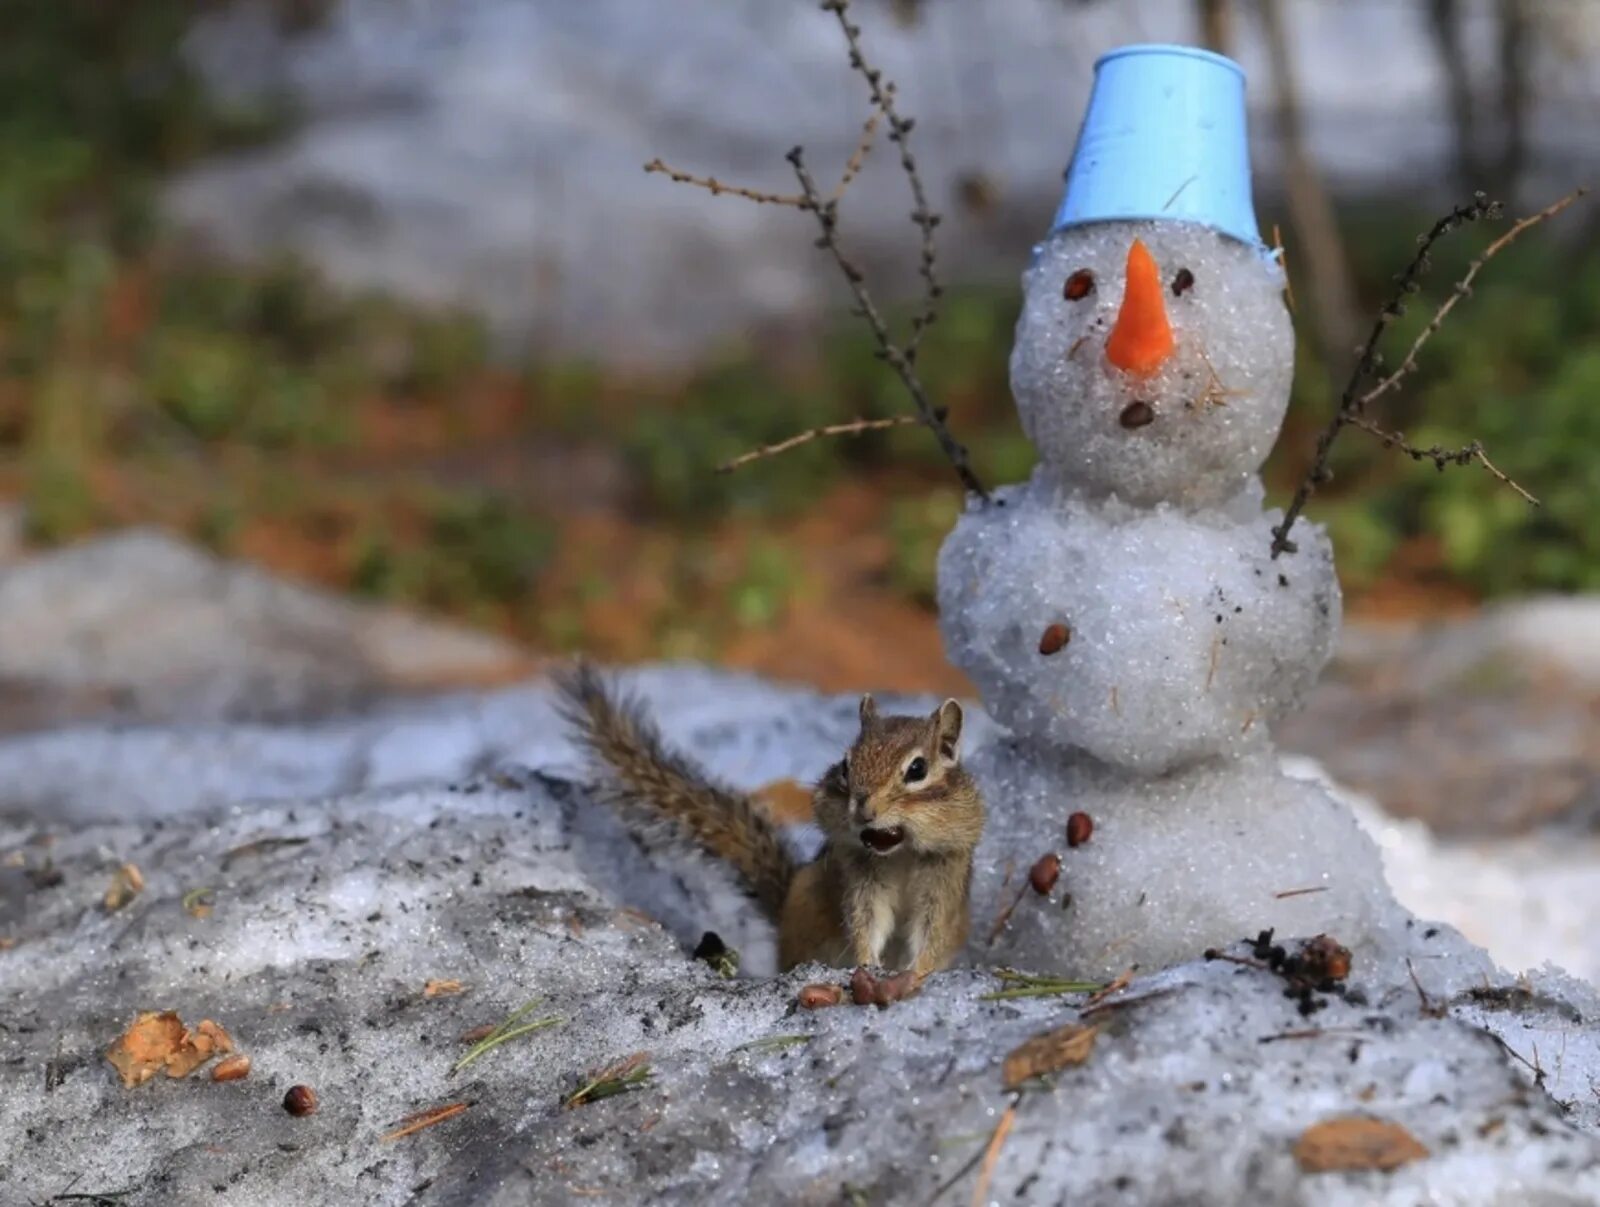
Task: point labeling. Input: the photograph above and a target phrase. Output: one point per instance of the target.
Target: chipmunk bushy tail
(642, 773)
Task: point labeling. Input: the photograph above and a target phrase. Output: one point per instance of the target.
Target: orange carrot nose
(1142, 339)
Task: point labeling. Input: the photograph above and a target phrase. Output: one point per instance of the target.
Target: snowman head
(1153, 360)
(1154, 353)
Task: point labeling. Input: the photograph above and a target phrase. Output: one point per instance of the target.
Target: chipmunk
(901, 817)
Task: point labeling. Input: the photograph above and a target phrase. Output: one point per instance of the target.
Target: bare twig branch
(901, 358)
(717, 188)
(827, 215)
(1352, 399)
(899, 133)
(1441, 456)
(1462, 289)
(858, 157)
(854, 427)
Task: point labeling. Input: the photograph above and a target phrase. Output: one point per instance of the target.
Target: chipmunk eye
(917, 770)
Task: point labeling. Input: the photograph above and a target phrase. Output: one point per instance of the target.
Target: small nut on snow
(1054, 639)
(1045, 873)
(815, 997)
(1080, 827)
(300, 1100)
(232, 1069)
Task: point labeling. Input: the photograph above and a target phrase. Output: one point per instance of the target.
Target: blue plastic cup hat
(1164, 137)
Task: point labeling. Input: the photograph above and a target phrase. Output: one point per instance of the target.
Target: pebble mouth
(883, 840)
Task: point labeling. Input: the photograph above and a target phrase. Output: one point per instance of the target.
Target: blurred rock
(141, 624)
(1483, 726)
(490, 151)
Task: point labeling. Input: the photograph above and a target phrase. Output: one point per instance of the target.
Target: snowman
(1121, 612)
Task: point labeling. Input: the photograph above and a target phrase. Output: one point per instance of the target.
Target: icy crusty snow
(1187, 639)
(316, 954)
(1142, 539)
(1217, 402)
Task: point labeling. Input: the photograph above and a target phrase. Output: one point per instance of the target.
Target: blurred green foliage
(475, 550)
(117, 350)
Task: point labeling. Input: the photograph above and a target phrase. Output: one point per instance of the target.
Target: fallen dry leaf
(144, 1048)
(212, 1035)
(787, 802)
(127, 882)
(1356, 1142)
(443, 988)
(1069, 1045)
(157, 1041)
(232, 1069)
(478, 1033)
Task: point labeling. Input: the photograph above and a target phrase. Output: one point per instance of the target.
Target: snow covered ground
(332, 906)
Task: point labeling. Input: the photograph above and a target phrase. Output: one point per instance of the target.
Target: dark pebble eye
(1182, 283)
(1079, 285)
(917, 770)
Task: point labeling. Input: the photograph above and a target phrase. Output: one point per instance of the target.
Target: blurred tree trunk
(1445, 21)
(1322, 269)
(1216, 25)
(1515, 43)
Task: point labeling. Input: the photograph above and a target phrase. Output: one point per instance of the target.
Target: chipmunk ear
(869, 710)
(947, 729)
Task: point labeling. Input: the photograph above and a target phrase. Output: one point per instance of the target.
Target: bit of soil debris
(1137, 414)
(713, 951)
(1080, 828)
(198, 902)
(443, 988)
(1321, 966)
(127, 882)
